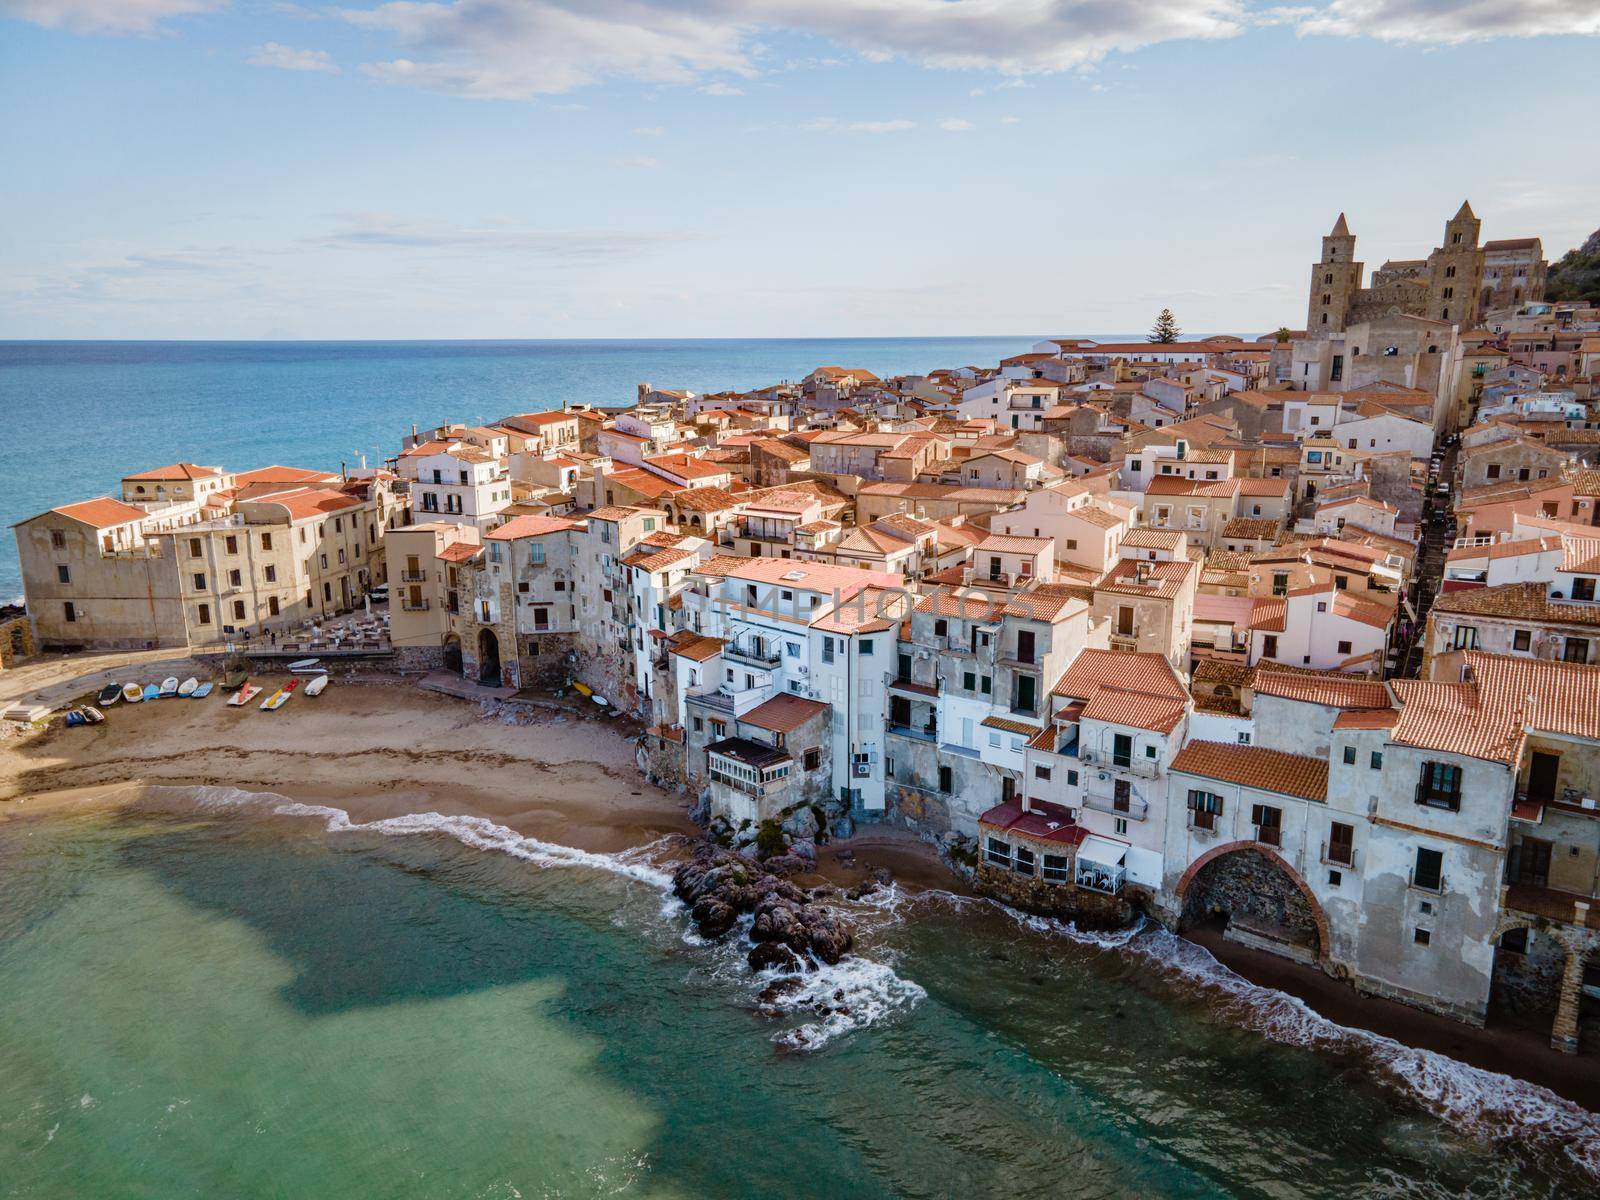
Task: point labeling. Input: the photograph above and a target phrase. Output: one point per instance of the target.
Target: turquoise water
(96, 410)
(233, 1001)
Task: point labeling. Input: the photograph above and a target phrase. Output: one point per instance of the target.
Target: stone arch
(1318, 916)
(452, 653)
(488, 658)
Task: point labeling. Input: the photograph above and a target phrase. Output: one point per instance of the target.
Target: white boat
(280, 697)
(315, 686)
(94, 714)
(169, 687)
(305, 666)
(109, 695)
(132, 693)
(244, 695)
(187, 687)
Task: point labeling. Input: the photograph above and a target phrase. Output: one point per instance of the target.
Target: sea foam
(846, 996)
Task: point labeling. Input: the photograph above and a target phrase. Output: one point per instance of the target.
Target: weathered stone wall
(1086, 909)
(1529, 984)
(16, 640)
(1250, 886)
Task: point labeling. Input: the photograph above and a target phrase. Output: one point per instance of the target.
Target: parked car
(379, 594)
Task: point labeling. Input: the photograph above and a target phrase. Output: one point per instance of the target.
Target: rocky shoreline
(791, 929)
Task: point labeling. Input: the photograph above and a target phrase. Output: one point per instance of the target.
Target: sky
(760, 168)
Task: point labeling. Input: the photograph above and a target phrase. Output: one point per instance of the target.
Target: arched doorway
(1255, 897)
(488, 658)
(452, 653)
(1525, 979)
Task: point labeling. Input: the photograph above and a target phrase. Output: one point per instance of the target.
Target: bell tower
(1335, 280)
(1455, 271)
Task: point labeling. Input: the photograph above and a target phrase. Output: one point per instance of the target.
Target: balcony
(1269, 835)
(922, 733)
(1127, 642)
(1144, 768)
(414, 605)
(899, 683)
(1339, 854)
(764, 660)
(1133, 807)
(413, 577)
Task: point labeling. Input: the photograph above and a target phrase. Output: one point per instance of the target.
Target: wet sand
(1519, 1051)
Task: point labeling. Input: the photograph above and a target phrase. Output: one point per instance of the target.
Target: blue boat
(201, 692)
(151, 691)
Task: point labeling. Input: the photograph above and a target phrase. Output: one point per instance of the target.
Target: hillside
(1577, 275)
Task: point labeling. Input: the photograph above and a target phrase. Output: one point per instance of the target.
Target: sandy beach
(377, 748)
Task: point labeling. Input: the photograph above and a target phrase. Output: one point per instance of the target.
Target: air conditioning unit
(862, 769)
(802, 670)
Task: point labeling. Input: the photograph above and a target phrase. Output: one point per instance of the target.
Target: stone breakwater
(791, 930)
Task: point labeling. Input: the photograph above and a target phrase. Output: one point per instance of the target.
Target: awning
(1102, 851)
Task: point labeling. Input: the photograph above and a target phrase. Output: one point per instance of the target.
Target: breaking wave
(841, 998)
(1485, 1105)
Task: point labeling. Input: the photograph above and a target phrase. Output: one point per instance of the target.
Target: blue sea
(82, 414)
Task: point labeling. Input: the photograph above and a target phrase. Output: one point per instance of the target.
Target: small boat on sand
(304, 666)
(187, 687)
(244, 695)
(201, 692)
(152, 691)
(109, 695)
(280, 697)
(76, 718)
(315, 686)
(169, 686)
(132, 693)
(93, 714)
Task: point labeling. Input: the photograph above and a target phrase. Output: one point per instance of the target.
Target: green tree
(1165, 330)
(1282, 335)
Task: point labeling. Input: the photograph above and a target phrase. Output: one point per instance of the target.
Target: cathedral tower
(1335, 280)
(1455, 271)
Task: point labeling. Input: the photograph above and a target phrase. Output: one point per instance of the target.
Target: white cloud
(641, 162)
(649, 131)
(104, 16)
(834, 125)
(722, 89)
(1009, 120)
(1447, 22)
(287, 58)
(358, 231)
(955, 125)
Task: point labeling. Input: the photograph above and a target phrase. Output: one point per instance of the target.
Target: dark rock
(787, 864)
(883, 875)
(714, 916)
(774, 956)
(865, 888)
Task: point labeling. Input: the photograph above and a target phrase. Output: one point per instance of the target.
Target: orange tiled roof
(1161, 714)
(1317, 688)
(181, 470)
(102, 513)
(530, 526)
(1256, 767)
(784, 713)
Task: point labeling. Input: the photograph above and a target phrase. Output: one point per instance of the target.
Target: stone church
(1458, 283)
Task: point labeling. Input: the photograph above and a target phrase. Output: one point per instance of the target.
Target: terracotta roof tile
(1256, 767)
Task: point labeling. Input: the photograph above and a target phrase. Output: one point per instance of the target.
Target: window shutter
(1422, 781)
